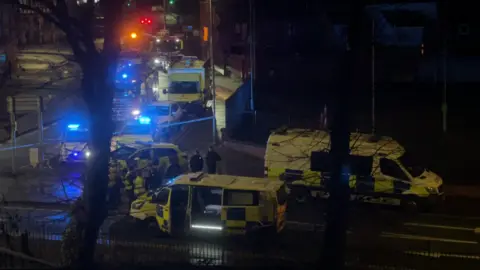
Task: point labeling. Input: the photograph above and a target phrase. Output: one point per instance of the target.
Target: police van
(392, 179)
(74, 146)
(134, 131)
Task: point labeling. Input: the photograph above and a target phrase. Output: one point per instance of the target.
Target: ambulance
(199, 203)
(186, 80)
(392, 179)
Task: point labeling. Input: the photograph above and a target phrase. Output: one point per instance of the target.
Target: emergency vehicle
(186, 82)
(74, 146)
(139, 130)
(393, 178)
(201, 203)
(128, 73)
(168, 44)
(141, 154)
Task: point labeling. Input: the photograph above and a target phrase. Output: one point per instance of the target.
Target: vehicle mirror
(165, 91)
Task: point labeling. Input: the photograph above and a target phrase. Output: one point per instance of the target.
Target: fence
(238, 252)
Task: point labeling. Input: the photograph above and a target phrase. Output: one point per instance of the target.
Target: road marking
(439, 255)
(451, 216)
(425, 238)
(438, 226)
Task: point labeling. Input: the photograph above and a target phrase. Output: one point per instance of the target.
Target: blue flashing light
(73, 126)
(124, 75)
(75, 154)
(144, 120)
(129, 64)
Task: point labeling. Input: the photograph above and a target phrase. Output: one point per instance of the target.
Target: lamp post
(212, 72)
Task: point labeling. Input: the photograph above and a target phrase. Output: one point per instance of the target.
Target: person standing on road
(128, 183)
(196, 162)
(212, 159)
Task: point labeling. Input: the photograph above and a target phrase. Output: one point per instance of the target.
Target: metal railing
(45, 249)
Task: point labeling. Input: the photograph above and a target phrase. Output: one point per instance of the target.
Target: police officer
(157, 175)
(128, 185)
(139, 185)
(196, 162)
(113, 187)
(212, 159)
(147, 174)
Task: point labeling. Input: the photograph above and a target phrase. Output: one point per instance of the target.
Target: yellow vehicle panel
(143, 208)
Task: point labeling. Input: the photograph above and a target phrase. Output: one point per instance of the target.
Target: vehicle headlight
(156, 61)
(158, 40)
(135, 112)
(431, 190)
(137, 205)
(87, 154)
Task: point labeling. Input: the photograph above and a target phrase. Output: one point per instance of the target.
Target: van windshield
(137, 130)
(411, 165)
(76, 136)
(158, 110)
(183, 88)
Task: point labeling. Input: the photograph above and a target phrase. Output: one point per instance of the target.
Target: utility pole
(373, 76)
(444, 90)
(443, 28)
(212, 73)
(252, 54)
(164, 14)
(335, 236)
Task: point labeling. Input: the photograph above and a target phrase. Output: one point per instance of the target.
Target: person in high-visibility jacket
(139, 185)
(113, 187)
(128, 185)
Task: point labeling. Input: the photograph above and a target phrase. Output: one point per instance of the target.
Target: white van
(393, 178)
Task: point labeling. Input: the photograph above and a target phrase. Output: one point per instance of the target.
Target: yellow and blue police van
(142, 154)
(219, 204)
(394, 177)
(140, 130)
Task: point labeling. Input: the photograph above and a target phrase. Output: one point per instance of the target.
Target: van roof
(228, 182)
(141, 145)
(293, 147)
(184, 64)
(161, 103)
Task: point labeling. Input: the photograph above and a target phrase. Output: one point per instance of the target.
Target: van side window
(161, 197)
(240, 198)
(144, 154)
(391, 168)
(164, 152)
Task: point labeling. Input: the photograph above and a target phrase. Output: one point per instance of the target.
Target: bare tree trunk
(98, 86)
